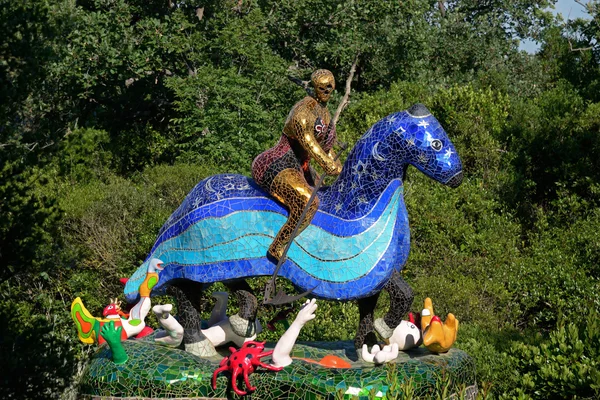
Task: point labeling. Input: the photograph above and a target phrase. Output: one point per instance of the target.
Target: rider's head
(323, 82)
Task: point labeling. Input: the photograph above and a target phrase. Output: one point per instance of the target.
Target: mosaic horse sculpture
(356, 244)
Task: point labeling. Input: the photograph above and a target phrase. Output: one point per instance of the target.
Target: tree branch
(344, 101)
(584, 5)
(442, 8)
(580, 49)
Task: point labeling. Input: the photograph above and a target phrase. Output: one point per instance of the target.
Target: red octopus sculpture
(244, 360)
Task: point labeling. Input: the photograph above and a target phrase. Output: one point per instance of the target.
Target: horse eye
(436, 144)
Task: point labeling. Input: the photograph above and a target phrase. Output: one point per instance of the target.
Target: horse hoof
(383, 329)
(203, 348)
(242, 327)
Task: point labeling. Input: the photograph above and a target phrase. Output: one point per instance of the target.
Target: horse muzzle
(456, 180)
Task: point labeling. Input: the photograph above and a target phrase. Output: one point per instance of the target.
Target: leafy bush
(567, 365)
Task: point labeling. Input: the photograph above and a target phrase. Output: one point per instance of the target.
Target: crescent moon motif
(375, 153)
(208, 186)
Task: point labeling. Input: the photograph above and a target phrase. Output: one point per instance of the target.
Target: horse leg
(364, 334)
(401, 298)
(188, 295)
(244, 322)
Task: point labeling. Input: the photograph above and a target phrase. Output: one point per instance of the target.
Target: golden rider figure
(284, 169)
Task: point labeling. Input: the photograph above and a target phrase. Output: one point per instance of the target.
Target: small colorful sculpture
(437, 337)
(132, 324)
(424, 328)
(112, 336)
(248, 357)
(244, 361)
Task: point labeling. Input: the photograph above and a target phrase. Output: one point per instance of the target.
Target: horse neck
(361, 183)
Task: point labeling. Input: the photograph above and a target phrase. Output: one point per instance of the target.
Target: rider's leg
(290, 188)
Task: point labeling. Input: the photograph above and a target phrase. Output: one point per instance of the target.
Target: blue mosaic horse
(357, 242)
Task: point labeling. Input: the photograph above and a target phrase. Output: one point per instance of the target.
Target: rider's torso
(288, 152)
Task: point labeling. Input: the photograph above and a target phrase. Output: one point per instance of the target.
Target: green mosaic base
(154, 371)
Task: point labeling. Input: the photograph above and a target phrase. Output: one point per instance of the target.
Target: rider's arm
(300, 126)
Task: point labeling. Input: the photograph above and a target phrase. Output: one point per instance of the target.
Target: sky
(569, 10)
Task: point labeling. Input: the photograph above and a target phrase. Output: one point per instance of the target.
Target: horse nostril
(456, 180)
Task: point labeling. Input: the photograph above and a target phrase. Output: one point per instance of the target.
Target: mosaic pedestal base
(154, 372)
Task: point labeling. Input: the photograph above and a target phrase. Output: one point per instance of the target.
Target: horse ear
(418, 110)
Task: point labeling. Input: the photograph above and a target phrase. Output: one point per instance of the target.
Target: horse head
(410, 137)
(425, 145)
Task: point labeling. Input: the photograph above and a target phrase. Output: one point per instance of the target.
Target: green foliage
(563, 366)
(558, 273)
(473, 119)
(85, 155)
(553, 141)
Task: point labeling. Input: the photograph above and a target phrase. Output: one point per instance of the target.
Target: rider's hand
(334, 169)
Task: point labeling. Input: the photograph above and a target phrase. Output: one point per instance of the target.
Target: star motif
(399, 130)
(391, 119)
(359, 169)
(422, 158)
(362, 200)
(353, 186)
(423, 124)
(341, 187)
(229, 186)
(338, 207)
(411, 141)
(449, 152)
(375, 176)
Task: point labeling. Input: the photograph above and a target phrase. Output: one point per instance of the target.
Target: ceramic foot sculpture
(173, 332)
(378, 355)
(89, 327)
(219, 332)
